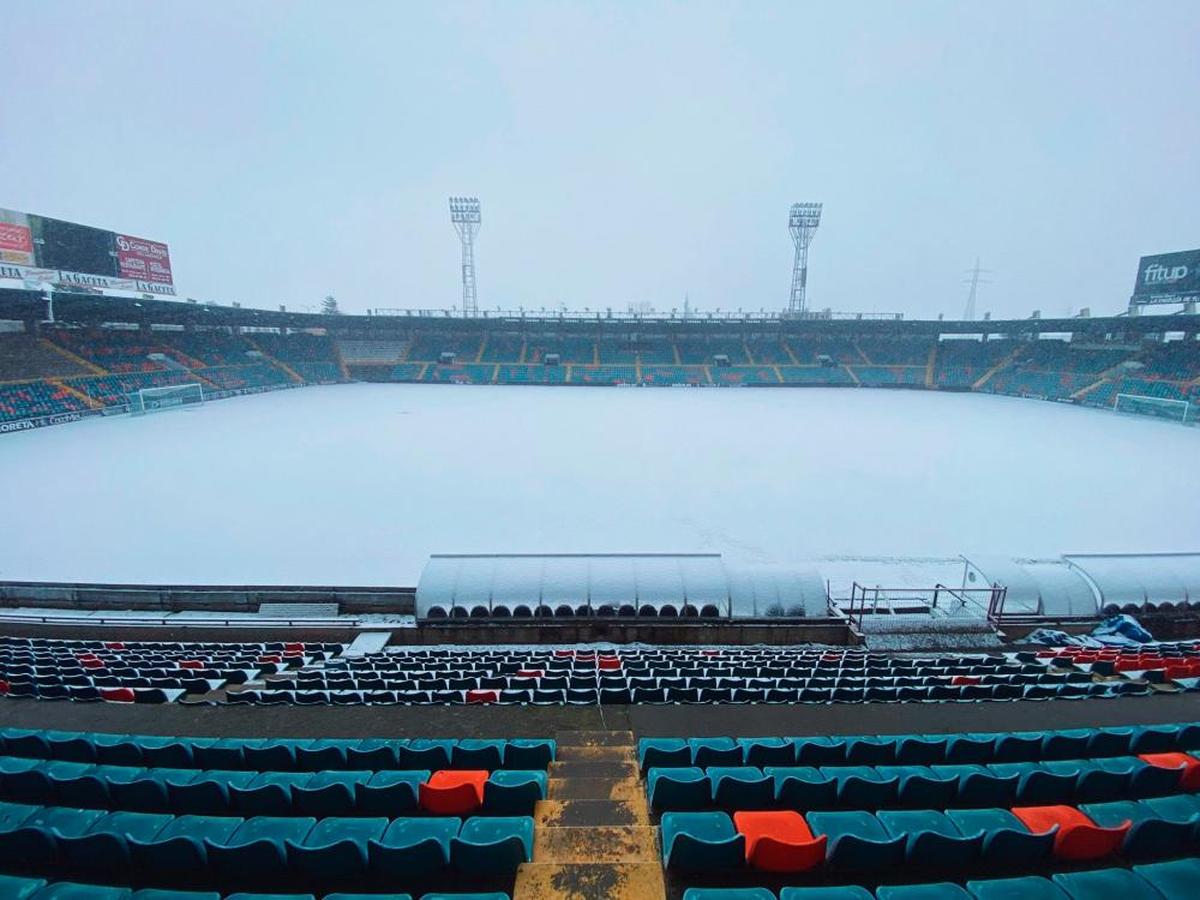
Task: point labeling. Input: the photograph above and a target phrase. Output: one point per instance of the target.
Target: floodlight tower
(802, 223)
(464, 214)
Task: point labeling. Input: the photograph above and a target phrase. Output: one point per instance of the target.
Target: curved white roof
(1040, 587)
(1122, 579)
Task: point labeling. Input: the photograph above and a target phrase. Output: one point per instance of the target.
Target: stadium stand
(23, 357)
(37, 398)
(312, 357)
(961, 363)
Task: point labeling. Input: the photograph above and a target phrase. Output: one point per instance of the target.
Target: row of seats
(224, 792)
(229, 853)
(919, 749)
(277, 754)
(1172, 880)
(13, 887)
(955, 840)
(879, 787)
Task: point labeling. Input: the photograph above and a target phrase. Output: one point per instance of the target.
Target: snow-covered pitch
(358, 484)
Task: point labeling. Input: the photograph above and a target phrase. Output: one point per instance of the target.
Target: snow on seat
(779, 841)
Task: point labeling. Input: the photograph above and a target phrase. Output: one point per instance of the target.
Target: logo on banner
(1160, 274)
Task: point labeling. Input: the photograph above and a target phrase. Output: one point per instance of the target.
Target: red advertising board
(16, 243)
(144, 260)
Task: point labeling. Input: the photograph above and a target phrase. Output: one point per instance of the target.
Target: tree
(329, 306)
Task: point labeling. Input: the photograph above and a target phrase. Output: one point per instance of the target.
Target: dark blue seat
(178, 854)
(1150, 837)
(931, 839)
(921, 787)
(1174, 880)
(1006, 841)
(334, 852)
(492, 845)
(682, 788)
(741, 787)
(802, 787)
(861, 787)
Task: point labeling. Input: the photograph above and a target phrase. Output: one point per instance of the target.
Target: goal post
(1159, 407)
(154, 399)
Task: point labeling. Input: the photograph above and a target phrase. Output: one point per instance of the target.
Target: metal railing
(987, 602)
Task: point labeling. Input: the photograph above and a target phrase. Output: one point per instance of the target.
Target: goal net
(1142, 405)
(158, 398)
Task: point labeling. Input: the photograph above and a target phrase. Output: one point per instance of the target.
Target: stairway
(592, 835)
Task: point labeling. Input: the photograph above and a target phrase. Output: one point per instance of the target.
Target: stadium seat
(932, 840)
(453, 793)
(1102, 884)
(701, 842)
(1077, 837)
(1028, 887)
(753, 893)
(942, 890)
(1175, 880)
(492, 845)
(842, 892)
(412, 848)
(779, 841)
(857, 841)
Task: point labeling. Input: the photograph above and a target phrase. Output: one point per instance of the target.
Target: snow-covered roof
(1043, 587)
(1121, 579)
(474, 584)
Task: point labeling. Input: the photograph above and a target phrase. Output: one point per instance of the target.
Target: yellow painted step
(613, 754)
(590, 881)
(590, 812)
(594, 738)
(593, 789)
(609, 844)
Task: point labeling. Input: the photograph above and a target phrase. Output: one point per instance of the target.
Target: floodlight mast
(464, 215)
(803, 220)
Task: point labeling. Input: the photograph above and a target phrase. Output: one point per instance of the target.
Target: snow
(358, 484)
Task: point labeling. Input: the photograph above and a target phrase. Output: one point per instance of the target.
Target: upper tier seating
(211, 347)
(120, 350)
(23, 357)
(372, 351)
(961, 363)
(677, 675)
(703, 351)
(896, 351)
(569, 349)
(503, 348)
(139, 672)
(429, 347)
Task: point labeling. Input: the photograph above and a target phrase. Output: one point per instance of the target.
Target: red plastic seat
(959, 680)
(453, 793)
(117, 695)
(1078, 836)
(609, 663)
(483, 696)
(1188, 766)
(191, 664)
(3, 687)
(531, 673)
(92, 663)
(779, 841)
(114, 645)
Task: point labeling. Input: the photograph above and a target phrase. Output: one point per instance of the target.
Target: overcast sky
(623, 152)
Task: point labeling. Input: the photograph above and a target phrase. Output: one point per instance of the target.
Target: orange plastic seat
(1078, 836)
(779, 841)
(453, 793)
(1189, 767)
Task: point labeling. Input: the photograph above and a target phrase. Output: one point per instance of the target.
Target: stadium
(463, 599)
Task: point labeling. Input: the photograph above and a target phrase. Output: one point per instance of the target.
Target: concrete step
(595, 738)
(593, 753)
(583, 813)
(593, 789)
(609, 844)
(590, 881)
(597, 768)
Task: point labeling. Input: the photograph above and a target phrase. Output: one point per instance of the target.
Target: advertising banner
(16, 240)
(1168, 278)
(142, 259)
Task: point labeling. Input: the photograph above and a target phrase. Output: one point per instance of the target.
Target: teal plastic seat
(342, 896)
(741, 788)
(206, 795)
(845, 892)
(861, 787)
(761, 752)
(702, 842)
(256, 854)
(160, 894)
(103, 853)
(391, 794)
(68, 822)
(181, 847)
(802, 787)
(1028, 887)
(13, 815)
(1107, 884)
(14, 888)
(682, 788)
(1175, 808)
(485, 755)
(425, 754)
(530, 753)
(752, 893)
(1151, 836)
(412, 848)
(942, 890)
(920, 749)
(714, 751)
(920, 786)
(931, 838)
(857, 841)
(328, 794)
(493, 845)
(509, 792)
(242, 895)
(1006, 840)
(493, 895)
(978, 786)
(67, 890)
(671, 753)
(272, 754)
(10, 765)
(335, 851)
(1175, 880)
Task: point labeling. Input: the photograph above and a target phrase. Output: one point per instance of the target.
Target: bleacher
(1090, 813)
(503, 348)
(29, 399)
(817, 375)
(569, 349)
(429, 346)
(890, 376)
(531, 374)
(743, 375)
(610, 374)
(666, 375)
(112, 390)
(23, 358)
(154, 814)
(961, 363)
(256, 375)
(372, 351)
(468, 373)
(117, 350)
(703, 351)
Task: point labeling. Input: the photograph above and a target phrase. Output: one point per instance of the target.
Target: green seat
(1028, 887)
(14, 888)
(1175, 880)
(493, 845)
(1107, 884)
